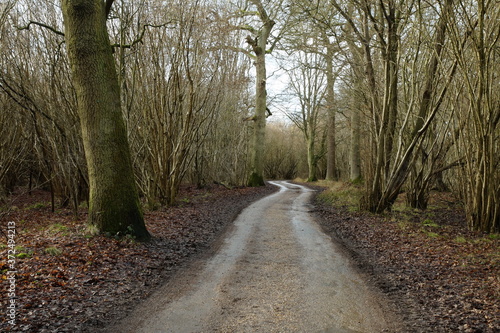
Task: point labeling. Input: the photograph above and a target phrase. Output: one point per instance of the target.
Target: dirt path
(275, 272)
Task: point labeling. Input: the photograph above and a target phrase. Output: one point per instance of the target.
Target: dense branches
(403, 94)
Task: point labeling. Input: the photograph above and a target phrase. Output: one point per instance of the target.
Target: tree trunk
(256, 177)
(395, 179)
(311, 157)
(354, 152)
(259, 48)
(389, 115)
(114, 204)
(358, 75)
(482, 194)
(331, 168)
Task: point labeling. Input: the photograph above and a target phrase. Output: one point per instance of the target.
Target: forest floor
(70, 281)
(442, 277)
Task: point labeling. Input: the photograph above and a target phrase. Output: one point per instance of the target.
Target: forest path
(276, 271)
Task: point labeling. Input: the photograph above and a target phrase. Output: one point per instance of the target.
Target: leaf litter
(441, 277)
(69, 281)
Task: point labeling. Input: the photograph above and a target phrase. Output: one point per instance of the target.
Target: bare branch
(262, 12)
(27, 27)
(140, 37)
(238, 49)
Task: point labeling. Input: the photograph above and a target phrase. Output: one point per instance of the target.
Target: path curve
(276, 271)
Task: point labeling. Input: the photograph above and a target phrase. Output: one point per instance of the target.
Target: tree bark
(259, 48)
(331, 167)
(354, 151)
(311, 156)
(114, 206)
(256, 177)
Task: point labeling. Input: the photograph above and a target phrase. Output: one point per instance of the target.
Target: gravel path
(276, 271)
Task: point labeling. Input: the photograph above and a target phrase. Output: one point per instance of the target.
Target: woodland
(111, 110)
(398, 95)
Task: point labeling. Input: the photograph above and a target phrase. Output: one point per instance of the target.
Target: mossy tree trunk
(258, 44)
(114, 206)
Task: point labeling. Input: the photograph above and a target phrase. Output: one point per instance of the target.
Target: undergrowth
(340, 194)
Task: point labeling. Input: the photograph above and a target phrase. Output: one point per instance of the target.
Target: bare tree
(476, 37)
(307, 81)
(258, 40)
(282, 154)
(54, 158)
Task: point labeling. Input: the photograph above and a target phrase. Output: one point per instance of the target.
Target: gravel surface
(276, 271)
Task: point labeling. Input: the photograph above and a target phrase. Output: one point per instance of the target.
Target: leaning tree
(114, 205)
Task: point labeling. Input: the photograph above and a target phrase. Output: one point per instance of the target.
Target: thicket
(402, 96)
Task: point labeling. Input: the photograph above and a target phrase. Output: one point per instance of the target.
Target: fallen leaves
(442, 277)
(72, 282)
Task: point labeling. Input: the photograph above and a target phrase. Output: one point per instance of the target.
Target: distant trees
(406, 63)
(10, 138)
(282, 154)
(178, 89)
(372, 36)
(182, 80)
(307, 82)
(41, 108)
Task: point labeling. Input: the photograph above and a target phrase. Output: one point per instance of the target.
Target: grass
(431, 234)
(430, 223)
(22, 252)
(404, 225)
(341, 194)
(53, 251)
(494, 236)
(38, 205)
(57, 228)
(460, 240)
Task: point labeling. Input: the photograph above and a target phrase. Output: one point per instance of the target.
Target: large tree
(114, 203)
(258, 42)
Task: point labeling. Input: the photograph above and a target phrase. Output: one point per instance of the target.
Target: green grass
(460, 240)
(22, 252)
(53, 251)
(37, 205)
(430, 223)
(341, 194)
(57, 227)
(431, 234)
(404, 225)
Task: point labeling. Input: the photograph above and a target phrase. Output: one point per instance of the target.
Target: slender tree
(331, 165)
(308, 82)
(476, 44)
